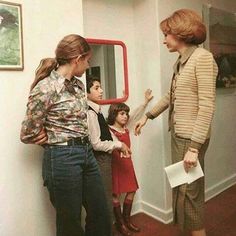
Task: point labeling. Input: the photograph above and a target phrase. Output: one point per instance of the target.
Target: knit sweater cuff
(149, 115)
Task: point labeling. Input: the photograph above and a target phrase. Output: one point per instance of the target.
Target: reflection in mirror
(109, 65)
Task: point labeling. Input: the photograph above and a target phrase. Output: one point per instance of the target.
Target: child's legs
(115, 200)
(129, 197)
(128, 203)
(127, 208)
(120, 224)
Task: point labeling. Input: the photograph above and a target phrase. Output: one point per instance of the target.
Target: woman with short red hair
(191, 102)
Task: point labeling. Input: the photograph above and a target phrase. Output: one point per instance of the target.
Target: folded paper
(177, 175)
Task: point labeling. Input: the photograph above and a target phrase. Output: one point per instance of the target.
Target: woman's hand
(41, 138)
(125, 151)
(148, 96)
(190, 159)
(139, 125)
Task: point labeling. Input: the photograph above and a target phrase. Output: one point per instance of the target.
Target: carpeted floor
(220, 215)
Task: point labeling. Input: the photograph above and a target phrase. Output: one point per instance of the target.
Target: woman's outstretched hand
(148, 96)
(139, 125)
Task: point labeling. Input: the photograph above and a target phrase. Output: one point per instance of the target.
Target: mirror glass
(109, 65)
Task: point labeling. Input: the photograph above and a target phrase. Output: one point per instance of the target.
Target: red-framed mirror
(109, 64)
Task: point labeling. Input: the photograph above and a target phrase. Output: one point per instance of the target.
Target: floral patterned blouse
(58, 105)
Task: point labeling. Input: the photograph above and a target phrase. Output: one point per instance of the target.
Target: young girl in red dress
(123, 174)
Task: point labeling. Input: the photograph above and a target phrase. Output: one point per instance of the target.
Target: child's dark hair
(113, 111)
(90, 81)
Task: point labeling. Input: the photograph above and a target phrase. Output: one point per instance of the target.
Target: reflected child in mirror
(123, 175)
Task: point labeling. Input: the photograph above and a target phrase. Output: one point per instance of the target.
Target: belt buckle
(84, 140)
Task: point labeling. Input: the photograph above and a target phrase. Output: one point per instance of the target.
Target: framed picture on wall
(11, 40)
(222, 43)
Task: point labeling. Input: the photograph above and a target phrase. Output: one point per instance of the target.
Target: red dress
(123, 175)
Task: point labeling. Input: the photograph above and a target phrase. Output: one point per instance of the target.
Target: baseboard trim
(165, 216)
(220, 187)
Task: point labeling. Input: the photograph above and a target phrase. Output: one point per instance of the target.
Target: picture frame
(222, 43)
(11, 36)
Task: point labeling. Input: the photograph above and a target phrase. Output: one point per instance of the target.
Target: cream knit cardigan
(194, 98)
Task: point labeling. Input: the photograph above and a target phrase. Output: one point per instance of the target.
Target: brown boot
(126, 215)
(120, 222)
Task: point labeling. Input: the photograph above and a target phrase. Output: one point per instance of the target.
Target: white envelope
(177, 175)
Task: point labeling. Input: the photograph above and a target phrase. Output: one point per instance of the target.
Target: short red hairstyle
(186, 25)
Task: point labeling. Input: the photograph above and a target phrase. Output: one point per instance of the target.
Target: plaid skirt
(188, 199)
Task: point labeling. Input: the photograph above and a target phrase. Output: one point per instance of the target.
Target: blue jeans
(72, 177)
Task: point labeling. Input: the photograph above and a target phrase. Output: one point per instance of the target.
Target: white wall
(24, 202)
(113, 20)
(151, 144)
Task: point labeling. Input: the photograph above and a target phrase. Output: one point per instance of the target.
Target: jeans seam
(52, 176)
(86, 154)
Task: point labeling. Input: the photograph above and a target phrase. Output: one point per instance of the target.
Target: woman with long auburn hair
(191, 103)
(56, 118)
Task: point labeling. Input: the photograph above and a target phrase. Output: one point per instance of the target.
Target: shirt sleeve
(38, 103)
(95, 133)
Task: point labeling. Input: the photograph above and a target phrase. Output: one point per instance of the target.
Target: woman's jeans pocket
(62, 167)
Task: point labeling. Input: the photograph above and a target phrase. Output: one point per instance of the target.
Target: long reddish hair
(71, 46)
